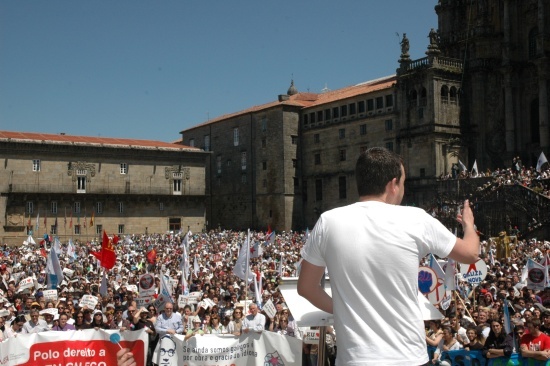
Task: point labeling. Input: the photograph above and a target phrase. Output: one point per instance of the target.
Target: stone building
(505, 45)
(481, 93)
(76, 186)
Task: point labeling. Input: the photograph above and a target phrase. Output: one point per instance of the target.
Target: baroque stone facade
(122, 186)
(481, 93)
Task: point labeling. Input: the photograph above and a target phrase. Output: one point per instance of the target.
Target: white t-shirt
(372, 251)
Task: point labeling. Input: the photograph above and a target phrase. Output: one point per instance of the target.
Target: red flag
(71, 222)
(152, 256)
(107, 255)
(43, 252)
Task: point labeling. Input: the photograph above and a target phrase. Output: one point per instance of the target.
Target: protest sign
(81, 347)
(146, 285)
(26, 283)
(265, 348)
(269, 309)
(88, 301)
(68, 272)
(50, 295)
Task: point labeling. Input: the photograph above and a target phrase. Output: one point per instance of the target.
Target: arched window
(453, 94)
(445, 94)
(413, 97)
(533, 42)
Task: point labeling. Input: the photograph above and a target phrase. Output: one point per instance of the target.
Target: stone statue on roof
(405, 46)
(434, 38)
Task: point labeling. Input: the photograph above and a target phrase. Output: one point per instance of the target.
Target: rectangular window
(352, 109)
(335, 112)
(294, 163)
(176, 186)
(370, 105)
(361, 106)
(99, 229)
(318, 190)
(53, 230)
(389, 145)
(342, 189)
(236, 136)
(77, 229)
(29, 207)
(120, 229)
(219, 164)
(174, 224)
(76, 207)
(121, 207)
(388, 124)
(206, 142)
(320, 116)
(379, 102)
(294, 140)
(317, 158)
(342, 155)
(80, 184)
(327, 114)
(99, 207)
(243, 179)
(422, 172)
(264, 124)
(306, 119)
(342, 133)
(36, 165)
(53, 207)
(389, 100)
(312, 117)
(264, 165)
(243, 160)
(264, 142)
(316, 138)
(344, 110)
(161, 206)
(192, 142)
(123, 168)
(363, 129)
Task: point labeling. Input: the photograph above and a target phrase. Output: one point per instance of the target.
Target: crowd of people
(474, 320)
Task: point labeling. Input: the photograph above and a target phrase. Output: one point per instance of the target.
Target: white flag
(542, 160)
(475, 172)
(462, 166)
(256, 250)
(240, 268)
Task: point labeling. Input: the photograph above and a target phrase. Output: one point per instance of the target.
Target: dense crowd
(474, 319)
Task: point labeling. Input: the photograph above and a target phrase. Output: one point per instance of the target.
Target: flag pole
(247, 266)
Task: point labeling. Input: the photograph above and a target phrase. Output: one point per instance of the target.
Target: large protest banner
(252, 349)
(72, 348)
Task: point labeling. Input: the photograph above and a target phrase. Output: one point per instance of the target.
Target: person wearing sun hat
(196, 328)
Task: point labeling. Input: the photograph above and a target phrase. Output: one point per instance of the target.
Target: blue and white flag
(54, 272)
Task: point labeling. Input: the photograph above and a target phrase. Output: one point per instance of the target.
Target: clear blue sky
(151, 68)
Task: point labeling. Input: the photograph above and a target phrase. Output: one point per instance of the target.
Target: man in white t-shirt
(372, 250)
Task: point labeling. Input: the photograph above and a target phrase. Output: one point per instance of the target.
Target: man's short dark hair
(375, 168)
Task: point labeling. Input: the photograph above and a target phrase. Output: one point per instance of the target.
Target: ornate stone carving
(169, 172)
(73, 168)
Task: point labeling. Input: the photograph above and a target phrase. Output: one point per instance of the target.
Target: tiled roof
(305, 100)
(354, 90)
(36, 137)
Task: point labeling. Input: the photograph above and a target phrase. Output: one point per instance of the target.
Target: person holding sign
(372, 249)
